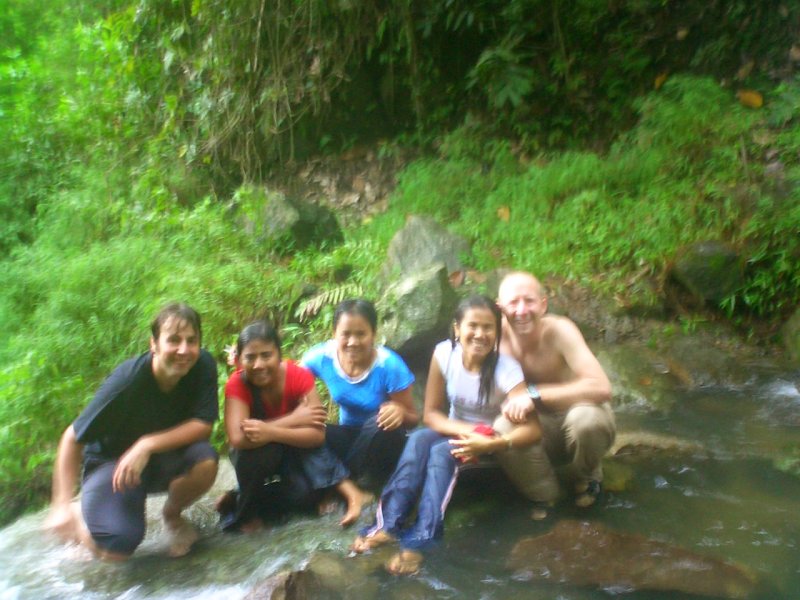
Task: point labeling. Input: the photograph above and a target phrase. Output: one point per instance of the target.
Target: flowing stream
(721, 495)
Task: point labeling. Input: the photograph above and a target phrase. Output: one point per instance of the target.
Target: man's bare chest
(544, 367)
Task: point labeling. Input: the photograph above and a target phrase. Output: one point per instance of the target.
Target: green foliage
(608, 219)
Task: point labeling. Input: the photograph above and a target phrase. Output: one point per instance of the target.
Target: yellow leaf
(504, 213)
(659, 81)
(750, 98)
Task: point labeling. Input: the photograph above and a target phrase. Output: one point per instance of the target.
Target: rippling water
(728, 501)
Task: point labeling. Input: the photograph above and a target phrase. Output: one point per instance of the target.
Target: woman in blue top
(371, 386)
(469, 375)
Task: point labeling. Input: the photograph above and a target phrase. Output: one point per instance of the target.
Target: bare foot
(254, 525)
(405, 562)
(226, 503)
(328, 504)
(354, 505)
(366, 543)
(182, 535)
(587, 493)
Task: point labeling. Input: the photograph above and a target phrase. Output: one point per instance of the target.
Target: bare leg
(355, 498)
(183, 491)
(405, 562)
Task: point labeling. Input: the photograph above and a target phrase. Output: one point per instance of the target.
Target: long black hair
(490, 363)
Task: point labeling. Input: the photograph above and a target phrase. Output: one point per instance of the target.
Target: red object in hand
(484, 429)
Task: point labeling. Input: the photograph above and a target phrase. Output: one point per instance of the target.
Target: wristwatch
(536, 397)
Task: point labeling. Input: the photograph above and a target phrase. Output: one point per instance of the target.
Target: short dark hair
(357, 306)
(178, 310)
(258, 330)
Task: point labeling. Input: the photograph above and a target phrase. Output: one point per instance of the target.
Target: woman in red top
(273, 417)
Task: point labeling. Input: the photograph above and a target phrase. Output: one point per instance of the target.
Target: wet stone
(590, 554)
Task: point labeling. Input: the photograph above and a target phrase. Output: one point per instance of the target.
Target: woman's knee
(441, 454)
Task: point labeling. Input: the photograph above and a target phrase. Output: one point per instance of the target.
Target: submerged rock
(647, 442)
(590, 554)
(326, 575)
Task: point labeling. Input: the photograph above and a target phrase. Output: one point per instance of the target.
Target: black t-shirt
(129, 405)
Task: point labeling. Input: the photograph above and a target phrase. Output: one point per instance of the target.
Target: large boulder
(710, 270)
(417, 312)
(590, 554)
(282, 222)
(421, 243)
(791, 336)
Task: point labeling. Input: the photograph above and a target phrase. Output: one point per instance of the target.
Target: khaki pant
(577, 438)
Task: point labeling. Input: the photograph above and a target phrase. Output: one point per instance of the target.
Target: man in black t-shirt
(146, 430)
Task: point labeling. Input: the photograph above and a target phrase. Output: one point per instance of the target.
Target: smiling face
(522, 301)
(477, 332)
(175, 351)
(355, 339)
(261, 362)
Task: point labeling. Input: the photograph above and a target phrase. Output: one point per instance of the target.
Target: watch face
(533, 392)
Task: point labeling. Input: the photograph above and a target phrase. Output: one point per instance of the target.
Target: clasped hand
(469, 446)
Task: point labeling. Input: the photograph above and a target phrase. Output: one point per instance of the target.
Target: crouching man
(145, 431)
(567, 387)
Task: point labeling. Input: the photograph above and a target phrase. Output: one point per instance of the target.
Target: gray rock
(590, 554)
(326, 576)
(285, 223)
(710, 270)
(417, 313)
(422, 243)
(287, 585)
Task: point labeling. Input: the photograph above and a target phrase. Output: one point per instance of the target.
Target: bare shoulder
(557, 328)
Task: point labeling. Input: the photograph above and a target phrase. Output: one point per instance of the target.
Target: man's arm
(130, 465)
(589, 382)
(61, 519)
(525, 433)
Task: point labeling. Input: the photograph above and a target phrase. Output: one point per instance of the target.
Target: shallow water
(725, 500)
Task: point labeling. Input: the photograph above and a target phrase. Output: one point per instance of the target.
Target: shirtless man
(567, 387)
(146, 430)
